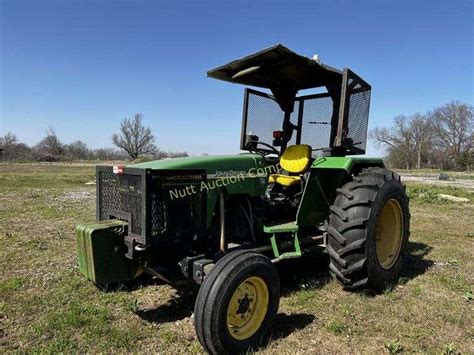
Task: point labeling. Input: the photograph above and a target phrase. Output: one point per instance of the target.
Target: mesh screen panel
(121, 193)
(144, 198)
(316, 122)
(264, 116)
(178, 205)
(358, 112)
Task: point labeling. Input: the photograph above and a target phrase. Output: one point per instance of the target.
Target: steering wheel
(271, 149)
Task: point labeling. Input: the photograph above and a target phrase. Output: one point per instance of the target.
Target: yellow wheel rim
(389, 233)
(247, 308)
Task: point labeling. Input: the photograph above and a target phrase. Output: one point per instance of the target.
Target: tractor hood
(213, 165)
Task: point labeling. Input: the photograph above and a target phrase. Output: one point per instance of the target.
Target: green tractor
(224, 222)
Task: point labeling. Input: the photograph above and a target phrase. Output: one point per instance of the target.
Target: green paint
(100, 252)
(287, 255)
(318, 195)
(345, 163)
(217, 167)
(209, 163)
(276, 229)
(326, 175)
(281, 228)
(274, 246)
(297, 244)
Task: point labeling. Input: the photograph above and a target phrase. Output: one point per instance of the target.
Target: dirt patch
(76, 196)
(433, 180)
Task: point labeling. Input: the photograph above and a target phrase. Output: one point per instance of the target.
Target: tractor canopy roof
(277, 65)
(280, 70)
(336, 119)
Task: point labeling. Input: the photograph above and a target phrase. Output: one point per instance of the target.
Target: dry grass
(47, 306)
(435, 173)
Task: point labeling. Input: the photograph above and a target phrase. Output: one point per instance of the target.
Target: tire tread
(349, 219)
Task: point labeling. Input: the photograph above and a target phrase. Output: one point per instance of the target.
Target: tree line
(442, 138)
(133, 141)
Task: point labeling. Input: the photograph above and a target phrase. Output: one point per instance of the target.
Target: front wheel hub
(247, 308)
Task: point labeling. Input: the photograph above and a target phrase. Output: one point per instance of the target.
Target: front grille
(153, 202)
(178, 204)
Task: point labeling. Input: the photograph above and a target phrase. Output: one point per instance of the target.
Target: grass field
(46, 305)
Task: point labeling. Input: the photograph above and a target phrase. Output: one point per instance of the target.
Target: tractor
(223, 223)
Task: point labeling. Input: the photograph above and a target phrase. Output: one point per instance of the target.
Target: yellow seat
(295, 159)
(285, 180)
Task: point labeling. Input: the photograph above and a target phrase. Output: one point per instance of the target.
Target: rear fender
(326, 175)
(350, 164)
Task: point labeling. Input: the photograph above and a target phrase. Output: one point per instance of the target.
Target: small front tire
(237, 303)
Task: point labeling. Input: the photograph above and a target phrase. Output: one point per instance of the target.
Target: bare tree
(8, 140)
(7, 145)
(50, 147)
(443, 137)
(452, 125)
(12, 149)
(134, 138)
(422, 137)
(108, 154)
(398, 139)
(78, 150)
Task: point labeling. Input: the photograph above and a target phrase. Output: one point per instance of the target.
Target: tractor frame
(217, 222)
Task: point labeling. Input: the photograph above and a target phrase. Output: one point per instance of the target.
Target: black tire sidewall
(264, 273)
(378, 275)
(216, 335)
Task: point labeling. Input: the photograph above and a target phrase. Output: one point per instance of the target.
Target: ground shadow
(311, 271)
(179, 307)
(416, 263)
(285, 324)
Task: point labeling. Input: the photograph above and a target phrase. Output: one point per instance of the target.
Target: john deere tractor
(223, 222)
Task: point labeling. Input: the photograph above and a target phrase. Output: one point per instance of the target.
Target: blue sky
(82, 66)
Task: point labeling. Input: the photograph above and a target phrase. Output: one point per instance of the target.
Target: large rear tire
(237, 303)
(368, 230)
